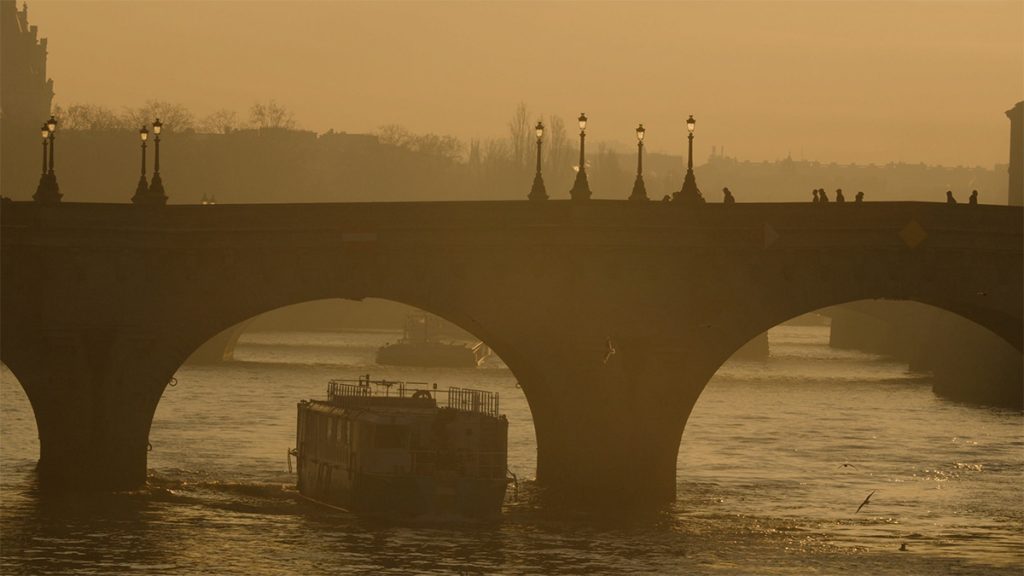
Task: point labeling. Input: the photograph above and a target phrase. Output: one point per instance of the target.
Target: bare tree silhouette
(271, 115)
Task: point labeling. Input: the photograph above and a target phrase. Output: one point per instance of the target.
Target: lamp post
(639, 190)
(45, 193)
(581, 188)
(51, 127)
(689, 194)
(156, 187)
(45, 132)
(142, 190)
(538, 192)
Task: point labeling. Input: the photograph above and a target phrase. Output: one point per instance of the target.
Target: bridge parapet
(795, 224)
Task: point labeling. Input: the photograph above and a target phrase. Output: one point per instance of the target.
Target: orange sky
(831, 81)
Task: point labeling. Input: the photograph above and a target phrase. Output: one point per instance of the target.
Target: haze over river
(761, 486)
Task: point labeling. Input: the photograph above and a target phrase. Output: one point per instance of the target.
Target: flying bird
(865, 501)
(847, 465)
(611, 351)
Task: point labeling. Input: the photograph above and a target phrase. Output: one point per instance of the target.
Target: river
(762, 486)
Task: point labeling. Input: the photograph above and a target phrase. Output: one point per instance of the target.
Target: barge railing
(473, 401)
(462, 399)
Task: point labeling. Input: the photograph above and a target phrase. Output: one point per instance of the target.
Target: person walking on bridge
(815, 192)
(859, 197)
(973, 201)
(949, 197)
(839, 195)
(728, 196)
(822, 196)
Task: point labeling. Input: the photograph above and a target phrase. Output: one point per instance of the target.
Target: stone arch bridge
(612, 315)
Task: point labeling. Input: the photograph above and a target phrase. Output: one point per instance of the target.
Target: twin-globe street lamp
(48, 191)
(580, 188)
(150, 194)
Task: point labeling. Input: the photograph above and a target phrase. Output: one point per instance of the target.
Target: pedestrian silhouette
(839, 195)
(822, 196)
(815, 196)
(949, 197)
(728, 196)
(974, 198)
(859, 197)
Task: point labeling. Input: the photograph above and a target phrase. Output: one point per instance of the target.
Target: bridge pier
(94, 395)
(608, 433)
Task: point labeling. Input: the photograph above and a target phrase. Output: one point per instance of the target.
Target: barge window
(390, 436)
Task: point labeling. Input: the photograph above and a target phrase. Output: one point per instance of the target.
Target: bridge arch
(930, 320)
(21, 431)
(999, 324)
(1001, 327)
(266, 419)
(449, 310)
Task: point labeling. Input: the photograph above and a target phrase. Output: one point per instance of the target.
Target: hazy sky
(832, 81)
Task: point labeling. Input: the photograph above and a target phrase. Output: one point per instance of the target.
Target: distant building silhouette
(26, 93)
(1015, 195)
(25, 98)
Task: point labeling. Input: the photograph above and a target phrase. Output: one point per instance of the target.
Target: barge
(403, 448)
(420, 346)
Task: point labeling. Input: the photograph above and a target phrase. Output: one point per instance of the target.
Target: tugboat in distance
(403, 448)
(421, 346)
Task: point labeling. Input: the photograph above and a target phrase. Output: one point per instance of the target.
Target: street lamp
(45, 133)
(142, 190)
(51, 128)
(639, 190)
(581, 187)
(689, 194)
(156, 188)
(44, 192)
(538, 192)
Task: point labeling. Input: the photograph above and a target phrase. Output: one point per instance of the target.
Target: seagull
(847, 465)
(611, 351)
(865, 501)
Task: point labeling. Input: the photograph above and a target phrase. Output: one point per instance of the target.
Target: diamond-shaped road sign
(913, 234)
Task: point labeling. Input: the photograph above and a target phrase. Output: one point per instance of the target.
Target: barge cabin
(404, 448)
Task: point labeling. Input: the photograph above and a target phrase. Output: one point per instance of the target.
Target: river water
(761, 484)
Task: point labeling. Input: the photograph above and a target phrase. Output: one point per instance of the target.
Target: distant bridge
(612, 315)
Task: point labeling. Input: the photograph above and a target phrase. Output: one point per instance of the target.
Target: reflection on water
(761, 482)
